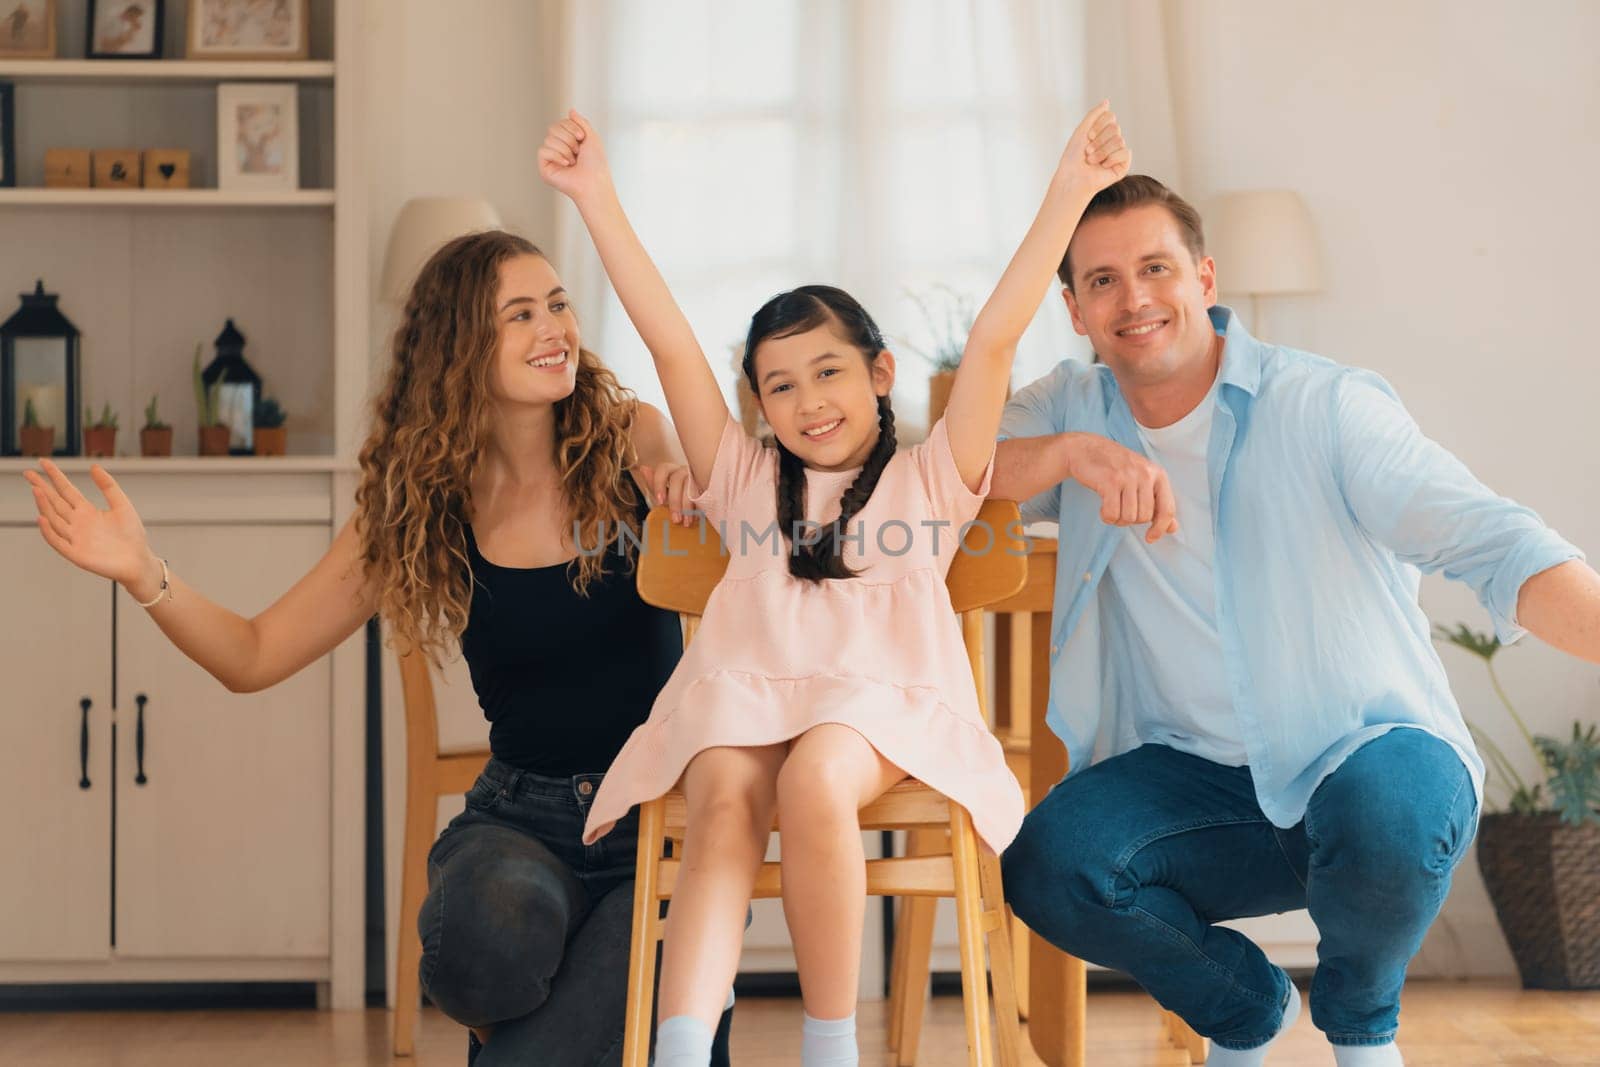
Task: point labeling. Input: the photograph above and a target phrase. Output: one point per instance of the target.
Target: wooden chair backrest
(680, 566)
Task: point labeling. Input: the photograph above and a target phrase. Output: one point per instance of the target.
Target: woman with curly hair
(495, 483)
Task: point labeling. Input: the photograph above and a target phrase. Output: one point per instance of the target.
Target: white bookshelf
(160, 71)
(165, 198)
(145, 274)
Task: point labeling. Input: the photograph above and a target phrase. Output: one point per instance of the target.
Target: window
(882, 147)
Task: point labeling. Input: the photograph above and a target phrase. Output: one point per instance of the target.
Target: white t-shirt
(1168, 603)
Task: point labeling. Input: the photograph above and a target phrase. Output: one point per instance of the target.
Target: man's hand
(1132, 490)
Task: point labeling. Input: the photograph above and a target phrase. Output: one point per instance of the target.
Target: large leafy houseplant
(1540, 856)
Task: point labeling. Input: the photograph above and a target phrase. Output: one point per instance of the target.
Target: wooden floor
(1444, 1024)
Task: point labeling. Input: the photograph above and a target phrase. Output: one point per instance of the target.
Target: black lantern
(39, 371)
(237, 387)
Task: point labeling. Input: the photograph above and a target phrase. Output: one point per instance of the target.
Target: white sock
(1387, 1055)
(1255, 1057)
(682, 1041)
(829, 1042)
(729, 1004)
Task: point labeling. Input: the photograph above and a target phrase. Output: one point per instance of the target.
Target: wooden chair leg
(421, 815)
(916, 934)
(1002, 968)
(1019, 953)
(897, 973)
(969, 921)
(646, 932)
(1185, 1037)
(920, 914)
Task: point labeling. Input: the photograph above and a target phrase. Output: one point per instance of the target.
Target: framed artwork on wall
(249, 29)
(258, 138)
(28, 29)
(124, 29)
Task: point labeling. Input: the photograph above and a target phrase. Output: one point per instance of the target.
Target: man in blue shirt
(1242, 531)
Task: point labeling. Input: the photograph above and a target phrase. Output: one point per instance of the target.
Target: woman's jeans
(1130, 863)
(525, 929)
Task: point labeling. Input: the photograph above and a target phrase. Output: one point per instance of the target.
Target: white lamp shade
(1263, 242)
(425, 225)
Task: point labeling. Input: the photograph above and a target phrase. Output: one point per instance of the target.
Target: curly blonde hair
(432, 423)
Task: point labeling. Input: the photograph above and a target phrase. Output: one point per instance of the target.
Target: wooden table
(1055, 981)
(1022, 651)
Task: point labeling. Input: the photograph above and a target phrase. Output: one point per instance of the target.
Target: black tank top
(563, 679)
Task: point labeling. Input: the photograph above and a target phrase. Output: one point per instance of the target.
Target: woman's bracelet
(165, 590)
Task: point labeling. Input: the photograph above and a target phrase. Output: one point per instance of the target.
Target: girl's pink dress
(881, 653)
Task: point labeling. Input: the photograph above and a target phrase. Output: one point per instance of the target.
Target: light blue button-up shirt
(1328, 503)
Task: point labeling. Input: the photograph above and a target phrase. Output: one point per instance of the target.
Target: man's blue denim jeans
(1131, 863)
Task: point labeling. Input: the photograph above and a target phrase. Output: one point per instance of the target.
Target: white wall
(459, 103)
(1448, 155)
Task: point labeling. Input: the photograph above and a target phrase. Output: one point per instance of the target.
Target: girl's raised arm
(573, 162)
(1095, 157)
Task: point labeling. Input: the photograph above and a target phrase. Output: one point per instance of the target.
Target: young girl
(828, 664)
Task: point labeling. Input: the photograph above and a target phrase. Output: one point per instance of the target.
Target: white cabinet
(223, 850)
(234, 858)
(220, 847)
(241, 856)
(55, 881)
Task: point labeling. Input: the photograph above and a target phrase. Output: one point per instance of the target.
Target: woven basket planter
(1544, 879)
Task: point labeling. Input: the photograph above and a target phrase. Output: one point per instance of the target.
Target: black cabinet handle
(138, 740)
(83, 744)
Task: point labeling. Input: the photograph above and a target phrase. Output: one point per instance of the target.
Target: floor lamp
(424, 225)
(1264, 245)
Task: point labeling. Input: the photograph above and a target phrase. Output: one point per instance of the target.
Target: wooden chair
(429, 776)
(1022, 676)
(677, 570)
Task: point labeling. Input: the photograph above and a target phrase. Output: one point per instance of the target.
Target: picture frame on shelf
(28, 29)
(8, 136)
(258, 136)
(124, 29)
(249, 29)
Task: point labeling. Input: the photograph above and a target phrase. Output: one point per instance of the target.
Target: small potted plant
(1540, 855)
(100, 434)
(35, 440)
(272, 439)
(949, 317)
(214, 436)
(156, 437)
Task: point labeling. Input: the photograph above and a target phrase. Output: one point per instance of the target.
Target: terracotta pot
(37, 440)
(939, 394)
(271, 440)
(100, 441)
(155, 442)
(214, 440)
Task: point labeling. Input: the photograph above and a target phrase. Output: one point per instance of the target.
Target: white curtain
(1132, 49)
(879, 146)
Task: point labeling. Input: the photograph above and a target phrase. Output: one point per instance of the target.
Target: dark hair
(786, 314)
(1133, 191)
